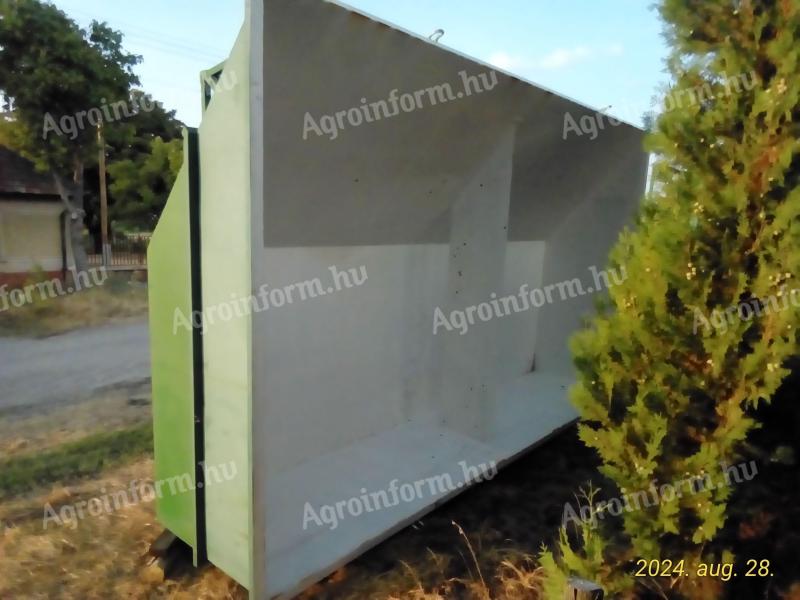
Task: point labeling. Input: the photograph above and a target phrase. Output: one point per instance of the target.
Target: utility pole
(101, 156)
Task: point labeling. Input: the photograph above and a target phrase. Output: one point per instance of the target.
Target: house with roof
(32, 222)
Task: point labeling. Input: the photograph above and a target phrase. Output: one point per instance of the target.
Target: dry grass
(117, 299)
(113, 408)
(103, 557)
(515, 577)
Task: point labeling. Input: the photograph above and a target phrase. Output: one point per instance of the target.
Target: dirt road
(73, 366)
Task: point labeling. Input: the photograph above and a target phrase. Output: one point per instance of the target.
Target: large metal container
(327, 399)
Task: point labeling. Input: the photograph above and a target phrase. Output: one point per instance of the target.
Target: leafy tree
(131, 143)
(134, 135)
(702, 332)
(141, 184)
(58, 74)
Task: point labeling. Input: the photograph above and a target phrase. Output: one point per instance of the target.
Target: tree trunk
(78, 249)
(75, 214)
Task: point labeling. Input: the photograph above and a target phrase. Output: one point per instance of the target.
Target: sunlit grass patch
(117, 298)
(74, 460)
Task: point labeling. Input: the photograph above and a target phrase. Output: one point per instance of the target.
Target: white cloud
(504, 61)
(557, 59)
(560, 58)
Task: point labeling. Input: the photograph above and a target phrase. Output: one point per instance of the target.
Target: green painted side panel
(170, 298)
(224, 155)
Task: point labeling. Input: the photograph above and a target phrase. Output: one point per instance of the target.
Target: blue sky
(599, 53)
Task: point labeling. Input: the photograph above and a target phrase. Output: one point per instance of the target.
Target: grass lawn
(74, 460)
(117, 298)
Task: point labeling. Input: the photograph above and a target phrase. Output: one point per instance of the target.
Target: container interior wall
(366, 233)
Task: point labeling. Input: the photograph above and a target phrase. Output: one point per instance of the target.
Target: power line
(185, 52)
(168, 41)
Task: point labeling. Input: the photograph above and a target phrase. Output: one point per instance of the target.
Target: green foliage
(53, 72)
(51, 80)
(662, 393)
(585, 558)
(50, 66)
(136, 133)
(140, 185)
(132, 143)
